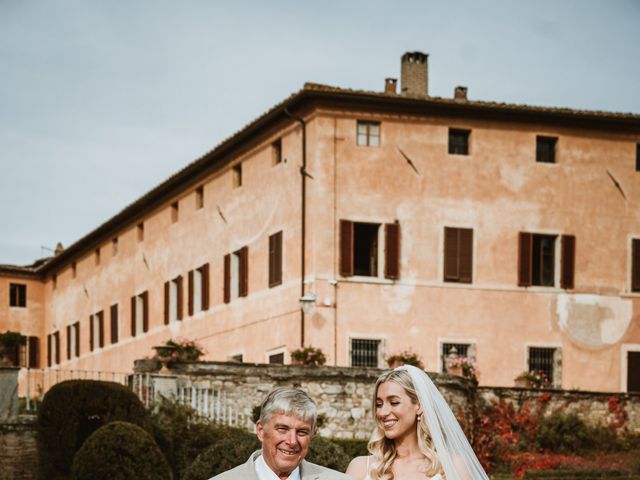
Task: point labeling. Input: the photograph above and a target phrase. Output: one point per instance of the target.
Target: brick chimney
(414, 74)
(390, 85)
(460, 93)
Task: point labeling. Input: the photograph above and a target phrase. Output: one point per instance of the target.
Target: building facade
(404, 221)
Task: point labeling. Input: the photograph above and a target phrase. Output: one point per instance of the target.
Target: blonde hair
(384, 449)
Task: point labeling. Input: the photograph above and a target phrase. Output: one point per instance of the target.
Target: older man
(285, 428)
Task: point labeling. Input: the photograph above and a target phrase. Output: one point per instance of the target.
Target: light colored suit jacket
(308, 471)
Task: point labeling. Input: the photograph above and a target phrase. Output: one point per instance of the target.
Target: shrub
(405, 357)
(71, 411)
(120, 451)
(327, 453)
(564, 433)
(309, 356)
(352, 448)
(231, 449)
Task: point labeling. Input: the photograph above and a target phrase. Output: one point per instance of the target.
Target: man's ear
(259, 430)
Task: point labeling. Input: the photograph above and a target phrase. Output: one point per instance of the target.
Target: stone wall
(18, 453)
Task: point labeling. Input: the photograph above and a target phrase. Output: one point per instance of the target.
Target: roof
(311, 95)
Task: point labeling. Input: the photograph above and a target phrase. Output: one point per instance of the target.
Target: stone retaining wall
(18, 453)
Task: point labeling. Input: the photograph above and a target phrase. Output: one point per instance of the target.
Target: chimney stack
(460, 93)
(414, 74)
(390, 85)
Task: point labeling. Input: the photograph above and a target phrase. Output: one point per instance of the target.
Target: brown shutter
(392, 251)
(272, 260)
(77, 339)
(205, 286)
(145, 312)
(451, 254)
(244, 272)
(114, 323)
(68, 342)
(56, 337)
(227, 278)
(179, 296)
(525, 247)
(91, 334)
(49, 350)
(465, 251)
(635, 265)
(568, 261)
(346, 248)
(133, 316)
(101, 325)
(167, 303)
(34, 357)
(190, 291)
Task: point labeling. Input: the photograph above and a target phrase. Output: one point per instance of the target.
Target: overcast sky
(100, 101)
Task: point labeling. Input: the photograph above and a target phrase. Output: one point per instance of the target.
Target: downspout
(303, 221)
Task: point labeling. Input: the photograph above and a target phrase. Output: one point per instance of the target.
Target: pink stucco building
(405, 221)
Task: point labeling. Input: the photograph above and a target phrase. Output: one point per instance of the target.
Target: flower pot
(522, 383)
(454, 370)
(146, 365)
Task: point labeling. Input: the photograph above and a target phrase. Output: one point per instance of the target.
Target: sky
(102, 100)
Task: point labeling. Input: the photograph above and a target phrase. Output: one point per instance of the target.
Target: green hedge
(120, 451)
(71, 411)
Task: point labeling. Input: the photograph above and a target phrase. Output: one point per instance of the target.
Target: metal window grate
(364, 352)
(461, 348)
(541, 360)
(276, 359)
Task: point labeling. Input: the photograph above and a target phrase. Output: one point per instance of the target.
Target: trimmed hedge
(327, 453)
(352, 448)
(71, 411)
(120, 451)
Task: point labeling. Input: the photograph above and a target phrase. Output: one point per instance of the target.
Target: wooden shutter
(190, 291)
(525, 255)
(49, 350)
(227, 278)
(145, 312)
(91, 334)
(56, 337)
(465, 250)
(179, 296)
(77, 324)
(568, 261)
(101, 327)
(275, 259)
(205, 286)
(346, 248)
(34, 357)
(451, 254)
(392, 251)
(635, 265)
(68, 342)
(167, 302)
(244, 272)
(133, 316)
(114, 323)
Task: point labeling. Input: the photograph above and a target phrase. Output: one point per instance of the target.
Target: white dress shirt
(265, 473)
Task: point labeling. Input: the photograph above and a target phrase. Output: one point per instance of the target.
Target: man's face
(285, 441)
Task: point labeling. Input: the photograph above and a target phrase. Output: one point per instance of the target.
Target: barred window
(276, 359)
(462, 349)
(542, 360)
(364, 352)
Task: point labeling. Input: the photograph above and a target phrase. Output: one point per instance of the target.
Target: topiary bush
(120, 451)
(71, 411)
(231, 449)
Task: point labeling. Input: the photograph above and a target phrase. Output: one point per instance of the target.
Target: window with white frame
(546, 360)
(365, 352)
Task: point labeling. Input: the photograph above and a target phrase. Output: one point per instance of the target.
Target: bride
(416, 434)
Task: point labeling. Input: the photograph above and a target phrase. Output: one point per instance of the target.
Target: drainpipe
(303, 174)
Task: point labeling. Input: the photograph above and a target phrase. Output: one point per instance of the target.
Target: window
(276, 359)
(461, 349)
(54, 281)
(114, 323)
(17, 295)
(33, 352)
(637, 157)
(236, 274)
(174, 212)
(635, 265)
(239, 359)
(275, 259)
(53, 349)
(73, 341)
(114, 246)
(537, 260)
(140, 231)
(173, 300)
(368, 134)
(547, 361)
(199, 289)
(199, 197)
(24, 354)
(364, 352)
(359, 249)
(97, 255)
(74, 270)
(458, 255)
(237, 175)
(96, 331)
(459, 141)
(546, 149)
(276, 152)
(139, 314)
(633, 372)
